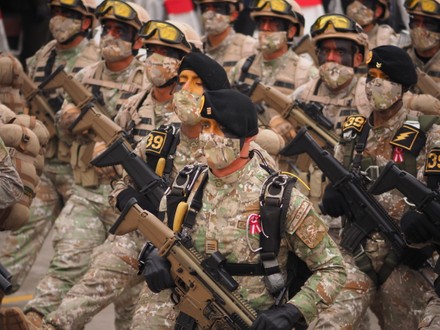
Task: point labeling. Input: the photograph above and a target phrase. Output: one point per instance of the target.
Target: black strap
(245, 68)
(196, 205)
(360, 147)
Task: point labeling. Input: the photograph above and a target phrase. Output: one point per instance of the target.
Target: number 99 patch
(433, 161)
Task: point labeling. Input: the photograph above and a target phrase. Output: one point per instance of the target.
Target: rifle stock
(38, 104)
(427, 85)
(425, 199)
(292, 112)
(92, 115)
(196, 293)
(366, 211)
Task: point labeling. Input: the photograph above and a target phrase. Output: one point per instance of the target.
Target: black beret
(212, 74)
(395, 63)
(232, 110)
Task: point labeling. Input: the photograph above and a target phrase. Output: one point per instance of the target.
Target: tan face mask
(360, 13)
(382, 94)
(187, 106)
(423, 39)
(63, 28)
(335, 75)
(270, 42)
(215, 23)
(220, 151)
(114, 49)
(160, 69)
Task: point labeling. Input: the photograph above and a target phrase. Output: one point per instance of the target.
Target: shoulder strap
(245, 68)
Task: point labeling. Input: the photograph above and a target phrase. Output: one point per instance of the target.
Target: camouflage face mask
(220, 151)
(270, 42)
(160, 69)
(360, 13)
(63, 28)
(382, 94)
(424, 39)
(187, 106)
(114, 49)
(335, 75)
(215, 23)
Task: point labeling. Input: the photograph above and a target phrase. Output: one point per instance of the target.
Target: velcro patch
(352, 126)
(433, 162)
(311, 231)
(409, 138)
(300, 213)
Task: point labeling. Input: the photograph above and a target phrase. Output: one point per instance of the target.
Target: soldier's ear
(86, 23)
(291, 31)
(358, 58)
(137, 43)
(378, 11)
(234, 15)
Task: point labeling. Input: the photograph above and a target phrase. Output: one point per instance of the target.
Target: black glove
(281, 317)
(124, 196)
(333, 202)
(157, 272)
(418, 228)
(415, 258)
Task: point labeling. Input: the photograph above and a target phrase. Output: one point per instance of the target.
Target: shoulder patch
(298, 215)
(353, 126)
(433, 161)
(311, 231)
(409, 138)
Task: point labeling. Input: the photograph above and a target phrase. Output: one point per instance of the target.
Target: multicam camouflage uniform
(399, 302)
(19, 250)
(84, 222)
(11, 187)
(221, 223)
(286, 73)
(232, 49)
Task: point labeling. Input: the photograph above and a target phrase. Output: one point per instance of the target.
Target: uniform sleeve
(11, 187)
(308, 238)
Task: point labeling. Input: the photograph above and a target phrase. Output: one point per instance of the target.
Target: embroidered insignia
(433, 162)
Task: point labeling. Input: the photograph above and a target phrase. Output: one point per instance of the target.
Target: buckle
(372, 172)
(360, 253)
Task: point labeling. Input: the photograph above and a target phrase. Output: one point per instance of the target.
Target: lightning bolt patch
(403, 136)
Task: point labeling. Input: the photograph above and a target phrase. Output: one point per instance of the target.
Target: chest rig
(274, 200)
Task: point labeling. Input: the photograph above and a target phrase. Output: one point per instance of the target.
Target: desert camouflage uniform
(221, 223)
(431, 318)
(399, 302)
(11, 187)
(286, 73)
(432, 67)
(19, 250)
(84, 222)
(232, 49)
(10, 95)
(116, 280)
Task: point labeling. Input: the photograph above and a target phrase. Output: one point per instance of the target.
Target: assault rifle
(5, 276)
(38, 104)
(92, 115)
(426, 84)
(297, 113)
(365, 211)
(425, 200)
(204, 290)
(119, 150)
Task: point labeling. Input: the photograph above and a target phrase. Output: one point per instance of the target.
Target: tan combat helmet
(286, 9)
(238, 3)
(85, 7)
(126, 12)
(386, 9)
(170, 34)
(336, 26)
(429, 8)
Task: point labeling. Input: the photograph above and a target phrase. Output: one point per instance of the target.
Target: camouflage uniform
(431, 317)
(10, 71)
(399, 302)
(84, 222)
(232, 49)
(11, 187)
(20, 248)
(227, 203)
(432, 67)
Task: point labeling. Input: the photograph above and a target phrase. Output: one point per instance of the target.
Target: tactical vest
(232, 49)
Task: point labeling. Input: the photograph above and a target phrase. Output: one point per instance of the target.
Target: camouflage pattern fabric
(431, 318)
(432, 67)
(227, 203)
(11, 187)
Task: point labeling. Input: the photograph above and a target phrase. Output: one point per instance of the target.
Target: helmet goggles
(426, 6)
(276, 6)
(166, 32)
(71, 4)
(339, 22)
(121, 10)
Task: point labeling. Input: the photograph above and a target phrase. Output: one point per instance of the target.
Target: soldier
(221, 42)
(11, 187)
(278, 22)
(84, 221)
(424, 26)
(10, 83)
(341, 47)
(391, 133)
(229, 194)
(69, 25)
